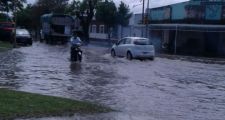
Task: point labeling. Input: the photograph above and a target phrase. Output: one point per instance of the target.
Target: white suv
(134, 47)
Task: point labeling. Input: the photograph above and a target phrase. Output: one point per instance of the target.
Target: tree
(106, 12)
(73, 7)
(44, 7)
(85, 14)
(9, 5)
(24, 17)
(124, 15)
(52, 6)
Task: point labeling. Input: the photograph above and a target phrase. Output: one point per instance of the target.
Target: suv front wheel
(113, 53)
(129, 56)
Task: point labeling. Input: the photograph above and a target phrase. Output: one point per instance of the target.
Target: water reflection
(8, 69)
(163, 89)
(76, 67)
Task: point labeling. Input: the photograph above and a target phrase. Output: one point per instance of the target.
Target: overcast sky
(136, 6)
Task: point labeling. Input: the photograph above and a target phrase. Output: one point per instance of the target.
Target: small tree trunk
(109, 35)
(86, 33)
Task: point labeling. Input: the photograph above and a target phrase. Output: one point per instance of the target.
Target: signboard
(163, 13)
(213, 12)
(194, 12)
(223, 13)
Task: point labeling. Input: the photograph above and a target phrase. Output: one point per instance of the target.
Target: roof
(47, 17)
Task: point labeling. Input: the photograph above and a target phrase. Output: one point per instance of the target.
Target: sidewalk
(206, 60)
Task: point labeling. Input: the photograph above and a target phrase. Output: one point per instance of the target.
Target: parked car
(134, 47)
(23, 37)
(6, 27)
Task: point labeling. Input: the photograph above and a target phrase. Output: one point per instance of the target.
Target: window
(142, 42)
(128, 41)
(121, 42)
(93, 28)
(102, 29)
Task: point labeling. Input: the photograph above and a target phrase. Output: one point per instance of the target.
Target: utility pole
(175, 41)
(14, 11)
(147, 14)
(143, 16)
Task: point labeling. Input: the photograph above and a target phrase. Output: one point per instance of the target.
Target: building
(195, 27)
(98, 31)
(135, 27)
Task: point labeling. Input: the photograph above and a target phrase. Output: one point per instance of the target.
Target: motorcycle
(76, 53)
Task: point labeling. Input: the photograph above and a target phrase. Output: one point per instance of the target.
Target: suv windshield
(142, 42)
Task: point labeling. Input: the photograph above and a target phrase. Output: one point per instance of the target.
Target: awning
(188, 27)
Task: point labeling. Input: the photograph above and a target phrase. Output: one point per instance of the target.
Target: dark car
(6, 27)
(23, 37)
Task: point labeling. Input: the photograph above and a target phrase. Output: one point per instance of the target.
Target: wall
(178, 11)
(157, 38)
(98, 36)
(132, 30)
(190, 43)
(221, 46)
(137, 19)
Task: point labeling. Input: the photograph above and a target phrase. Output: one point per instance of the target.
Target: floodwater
(163, 89)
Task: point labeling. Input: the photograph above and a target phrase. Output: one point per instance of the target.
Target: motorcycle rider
(75, 48)
(75, 39)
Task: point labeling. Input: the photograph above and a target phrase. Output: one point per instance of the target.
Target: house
(195, 27)
(98, 31)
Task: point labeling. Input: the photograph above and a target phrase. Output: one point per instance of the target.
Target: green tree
(73, 7)
(46, 6)
(106, 13)
(124, 16)
(53, 6)
(9, 5)
(24, 17)
(86, 13)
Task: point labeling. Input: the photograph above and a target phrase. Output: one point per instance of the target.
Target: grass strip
(14, 104)
(5, 46)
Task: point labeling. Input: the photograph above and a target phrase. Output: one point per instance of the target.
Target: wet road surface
(163, 89)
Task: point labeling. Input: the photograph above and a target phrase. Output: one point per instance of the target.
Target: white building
(98, 31)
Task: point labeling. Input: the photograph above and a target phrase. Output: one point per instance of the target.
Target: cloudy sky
(136, 6)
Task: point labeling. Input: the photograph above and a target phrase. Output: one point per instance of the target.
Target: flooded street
(163, 89)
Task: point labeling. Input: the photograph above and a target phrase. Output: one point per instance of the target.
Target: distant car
(23, 37)
(134, 47)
